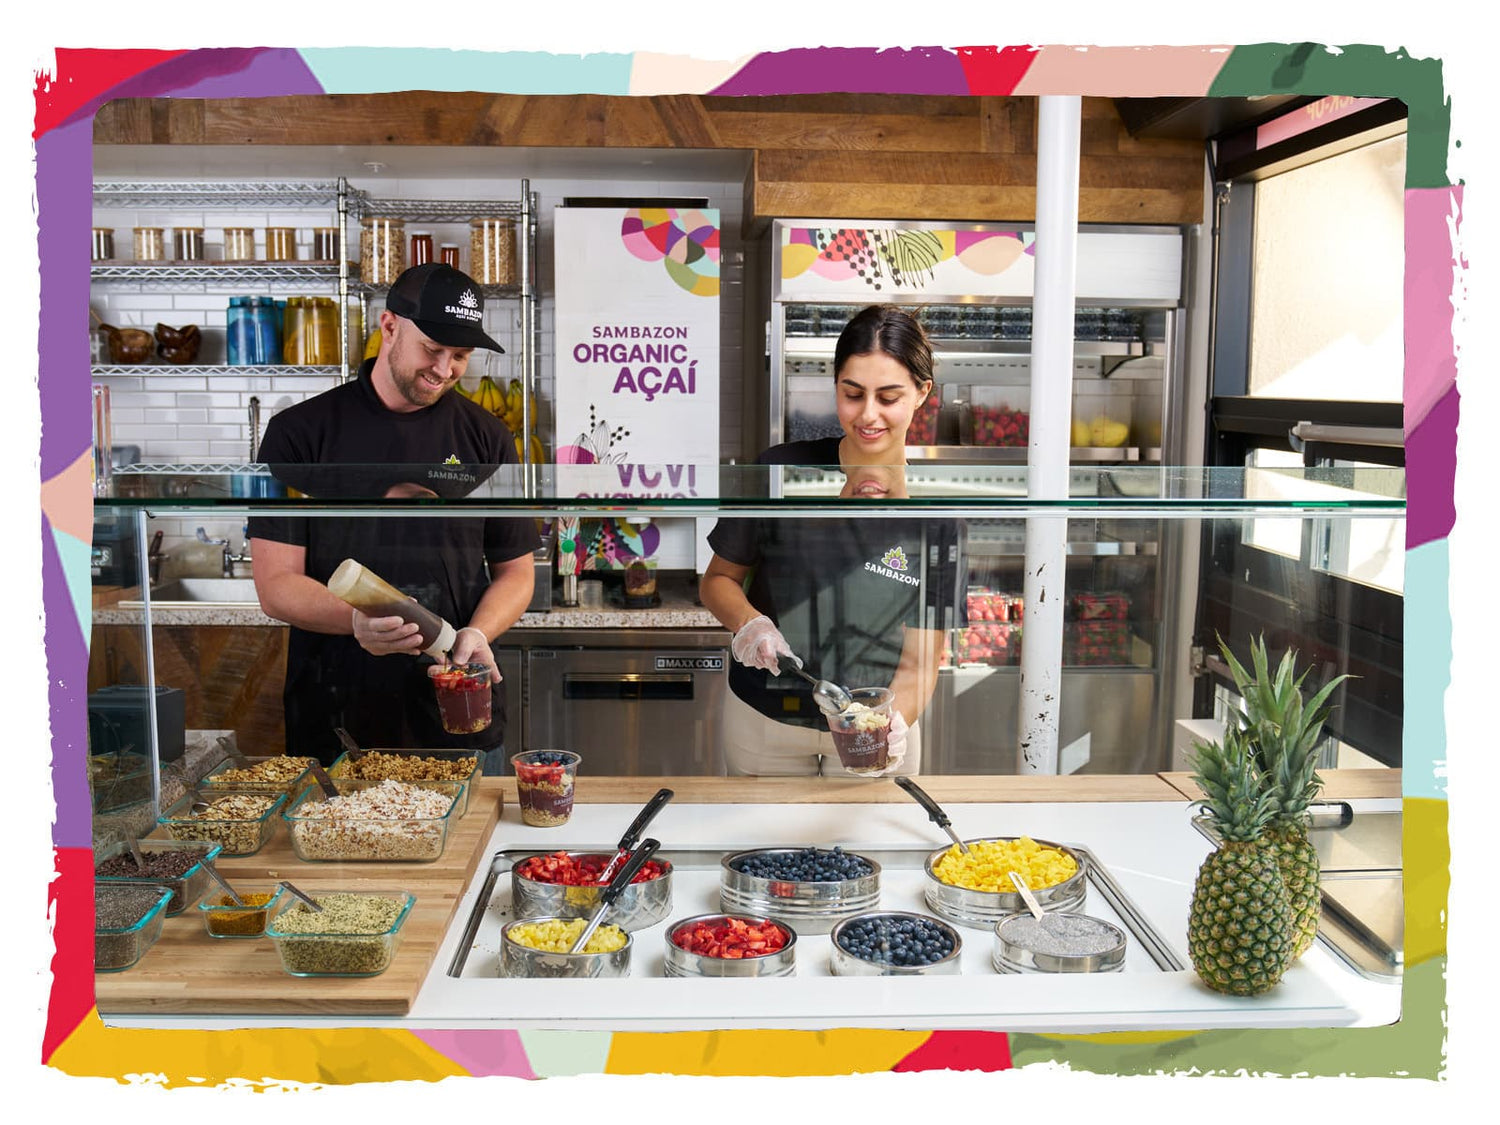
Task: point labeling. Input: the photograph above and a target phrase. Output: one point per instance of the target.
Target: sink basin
(200, 591)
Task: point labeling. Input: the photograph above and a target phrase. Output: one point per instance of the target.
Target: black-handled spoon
(934, 810)
(616, 888)
(633, 833)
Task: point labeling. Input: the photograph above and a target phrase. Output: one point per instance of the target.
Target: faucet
(230, 560)
(227, 568)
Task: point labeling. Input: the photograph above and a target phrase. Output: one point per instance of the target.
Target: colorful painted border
(75, 1040)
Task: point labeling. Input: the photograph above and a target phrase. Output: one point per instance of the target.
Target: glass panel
(955, 587)
(1372, 552)
(708, 489)
(1328, 274)
(1281, 536)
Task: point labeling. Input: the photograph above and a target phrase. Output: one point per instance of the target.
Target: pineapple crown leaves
(1235, 797)
(1282, 728)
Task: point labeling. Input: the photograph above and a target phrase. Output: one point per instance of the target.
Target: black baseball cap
(445, 303)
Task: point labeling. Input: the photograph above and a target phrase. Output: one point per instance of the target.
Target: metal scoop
(308, 900)
(934, 810)
(225, 887)
(633, 833)
(830, 698)
(1031, 902)
(616, 888)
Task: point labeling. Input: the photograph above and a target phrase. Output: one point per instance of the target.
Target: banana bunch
(489, 395)
(507, 405)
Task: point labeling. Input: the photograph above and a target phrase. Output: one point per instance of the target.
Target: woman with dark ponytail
(863, 602)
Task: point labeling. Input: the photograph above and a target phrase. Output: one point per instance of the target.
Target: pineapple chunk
(1106, 433)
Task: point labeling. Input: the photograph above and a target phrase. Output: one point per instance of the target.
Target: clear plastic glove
(759, 644)
(471, 646)
(895, 743)
(385, 636)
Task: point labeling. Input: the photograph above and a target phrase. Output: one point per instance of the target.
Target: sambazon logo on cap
(467, 307)
(893, 564)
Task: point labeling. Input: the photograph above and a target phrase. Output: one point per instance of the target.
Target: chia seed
(1061, 935)
(119, 937)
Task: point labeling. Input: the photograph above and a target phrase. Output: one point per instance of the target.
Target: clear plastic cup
(544, 786)
(463, 697)
(861, 734)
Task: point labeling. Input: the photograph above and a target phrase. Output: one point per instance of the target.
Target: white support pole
(1058, 129)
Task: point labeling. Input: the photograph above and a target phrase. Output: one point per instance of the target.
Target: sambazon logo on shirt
(893, 564)
(467, 307)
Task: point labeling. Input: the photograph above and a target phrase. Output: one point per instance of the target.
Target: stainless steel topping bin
(842, 963)
(814, 908)
(639, 906)
(983, 909)
(1010, 957)
(682, 963)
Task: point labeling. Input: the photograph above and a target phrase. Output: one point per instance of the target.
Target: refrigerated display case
(971, 287)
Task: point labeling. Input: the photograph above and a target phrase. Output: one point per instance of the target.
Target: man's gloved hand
(759, 643)
(471, 646)
(383, 636)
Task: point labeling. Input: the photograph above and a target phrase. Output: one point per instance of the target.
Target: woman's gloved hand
(759, 644)
(895, 743)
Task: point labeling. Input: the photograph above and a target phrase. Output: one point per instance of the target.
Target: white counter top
(1150, 848)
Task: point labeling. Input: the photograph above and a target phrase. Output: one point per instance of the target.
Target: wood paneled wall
(813, 156)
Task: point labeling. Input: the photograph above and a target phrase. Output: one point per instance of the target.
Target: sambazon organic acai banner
(637, 328)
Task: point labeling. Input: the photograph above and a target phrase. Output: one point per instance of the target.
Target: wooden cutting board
(187, 971)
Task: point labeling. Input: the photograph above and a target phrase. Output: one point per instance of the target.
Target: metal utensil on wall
(254, 427)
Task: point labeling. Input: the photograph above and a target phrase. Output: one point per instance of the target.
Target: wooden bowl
(178, 345)
(128, 345)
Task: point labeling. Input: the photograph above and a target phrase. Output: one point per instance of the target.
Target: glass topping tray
(695, 890)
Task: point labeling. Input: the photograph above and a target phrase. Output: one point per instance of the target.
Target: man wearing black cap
(398, 432)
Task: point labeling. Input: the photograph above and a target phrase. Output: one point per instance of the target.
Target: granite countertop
(678, 610)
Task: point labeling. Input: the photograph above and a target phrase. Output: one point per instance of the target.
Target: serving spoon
(616, 887)
(830, 698)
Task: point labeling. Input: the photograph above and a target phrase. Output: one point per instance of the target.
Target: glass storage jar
(421, 248)
(252, 334)
(150, 246)
(187, 244)
(449, 254)
(239, 244)
(382, 249)
(325, 244)
(320, 331)
(492, 251)
(293, 333)
(281, 244)
(104, 244)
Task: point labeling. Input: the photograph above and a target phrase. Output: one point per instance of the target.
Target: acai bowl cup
(681, 962)
(982, 909)
(519, 960)
(641, 904)
(813, 906)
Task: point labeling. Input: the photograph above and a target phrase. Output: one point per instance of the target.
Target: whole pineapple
(1284, 733)
(1240, 924)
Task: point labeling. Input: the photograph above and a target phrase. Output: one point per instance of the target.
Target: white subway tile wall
(174, 418)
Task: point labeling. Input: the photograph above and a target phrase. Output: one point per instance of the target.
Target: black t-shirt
(842, 591)
(449, 447)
